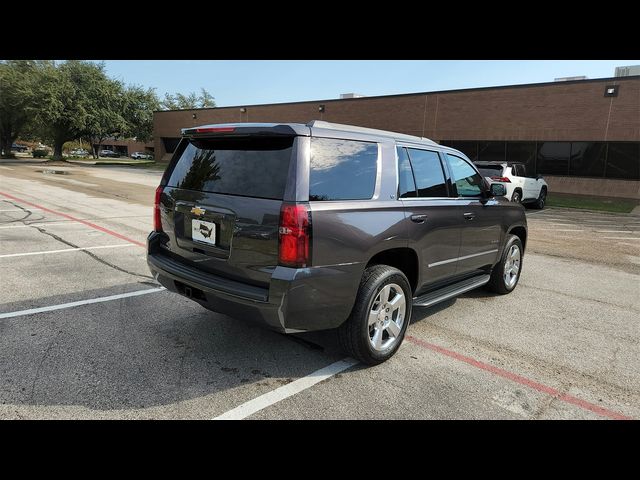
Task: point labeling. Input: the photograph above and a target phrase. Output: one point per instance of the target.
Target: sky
(248, 82)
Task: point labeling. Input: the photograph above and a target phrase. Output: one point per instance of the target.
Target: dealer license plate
(204, 232)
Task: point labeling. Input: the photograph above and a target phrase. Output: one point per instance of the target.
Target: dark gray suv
(319, 226)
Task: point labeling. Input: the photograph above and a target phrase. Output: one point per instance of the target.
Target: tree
(189, 101)
(74, 101)
(106, 118)
(138, 107)
(18, 86)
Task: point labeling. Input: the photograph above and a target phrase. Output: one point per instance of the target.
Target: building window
(170, 144)
(525, 153)
(491, 151)
(470, 149)
(587, 159)
(623, 160)
(553, 158)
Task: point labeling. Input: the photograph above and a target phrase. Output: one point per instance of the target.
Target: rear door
(531, 185)
(480, 234)
(222, 204)
(434, 229)
(519, 179)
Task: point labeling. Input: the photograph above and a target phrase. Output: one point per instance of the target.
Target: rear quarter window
(253, 167)
(342, 169)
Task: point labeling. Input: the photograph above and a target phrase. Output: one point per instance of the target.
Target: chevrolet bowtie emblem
(198, 211)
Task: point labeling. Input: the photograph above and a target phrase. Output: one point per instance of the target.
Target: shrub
(40, 153)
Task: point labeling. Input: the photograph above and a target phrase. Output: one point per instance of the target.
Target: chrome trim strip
(443, 262)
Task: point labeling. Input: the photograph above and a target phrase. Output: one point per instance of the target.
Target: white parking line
(288, 390)
(617, 231)
(42, 224)
(81, 302)
(622, 238)
(554, 223)
(555, 230)
(66, 250)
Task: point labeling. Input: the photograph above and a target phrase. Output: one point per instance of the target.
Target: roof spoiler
(369, 131)
(244, 129)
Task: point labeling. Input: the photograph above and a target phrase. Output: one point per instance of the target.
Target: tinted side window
(251, 167)
(407, 185)
(342, 169)
(468, 182)
(428, 173)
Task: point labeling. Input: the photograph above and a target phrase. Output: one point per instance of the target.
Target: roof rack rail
(370, 131)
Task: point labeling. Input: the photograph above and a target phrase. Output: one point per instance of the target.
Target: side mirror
(497, 190)
(538, 177)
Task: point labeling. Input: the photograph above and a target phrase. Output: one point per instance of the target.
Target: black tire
(516, 197)
(497, 282)
(542, 198)
(354, 333)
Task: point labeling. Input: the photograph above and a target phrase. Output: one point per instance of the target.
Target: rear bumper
(297, 300)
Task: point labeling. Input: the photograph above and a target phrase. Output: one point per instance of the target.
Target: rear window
(254, 167)
(490, 170)
(342, 169)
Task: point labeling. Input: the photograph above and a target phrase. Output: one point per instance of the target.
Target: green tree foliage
(75, 101)
(138, 107)
(191, 100)
(78, 100)
(18, 86)
(71, 100)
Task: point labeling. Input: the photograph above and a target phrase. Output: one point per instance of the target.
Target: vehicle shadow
(147, 351)
(422, 313)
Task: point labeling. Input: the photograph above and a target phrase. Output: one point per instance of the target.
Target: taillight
(294, 235)
(501, 179)
(157, 224)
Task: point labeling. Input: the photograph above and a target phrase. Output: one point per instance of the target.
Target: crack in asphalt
(578, 297)
(87, 252)
(28, 213)
(39, 369)
(564, 375)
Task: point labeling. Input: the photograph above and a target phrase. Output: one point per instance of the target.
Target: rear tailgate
(221, 204)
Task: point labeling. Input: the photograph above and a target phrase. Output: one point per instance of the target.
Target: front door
(481, 229)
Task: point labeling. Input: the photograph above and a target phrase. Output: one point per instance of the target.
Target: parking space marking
(65, 250)
(43, 224)
(288, 390)
(556, 230)
(557, 394)
(622, 238)
(81, 302)
(617, 231)
(70, 217)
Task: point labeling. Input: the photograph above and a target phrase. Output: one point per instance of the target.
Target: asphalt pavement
(85, 332)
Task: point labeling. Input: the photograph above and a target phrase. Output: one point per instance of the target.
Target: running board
(451, 291)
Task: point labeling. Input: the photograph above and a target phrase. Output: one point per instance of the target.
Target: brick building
(583, 135)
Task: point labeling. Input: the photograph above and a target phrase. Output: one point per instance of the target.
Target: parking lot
(85, 332)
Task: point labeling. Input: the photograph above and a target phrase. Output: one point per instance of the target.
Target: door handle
(418, 218)
(469, 216)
